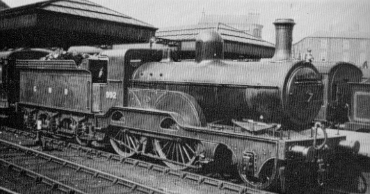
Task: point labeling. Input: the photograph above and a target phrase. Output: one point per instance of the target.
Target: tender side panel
(62, 89)
(96, 105)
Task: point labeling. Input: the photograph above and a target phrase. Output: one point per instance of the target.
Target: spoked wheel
(266, 177)
(127, 144)
(81, 134)
(54, 127)
(183, 154)
(29, 121)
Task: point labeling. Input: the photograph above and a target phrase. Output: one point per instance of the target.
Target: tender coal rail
(214, 185)
(63, 175)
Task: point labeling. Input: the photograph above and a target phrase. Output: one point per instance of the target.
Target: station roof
(3, 5)
(69, 22)
(227, 33)
(237, 39)
(230, 19)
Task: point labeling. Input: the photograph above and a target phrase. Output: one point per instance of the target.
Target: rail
(25, 153)
(222, 185)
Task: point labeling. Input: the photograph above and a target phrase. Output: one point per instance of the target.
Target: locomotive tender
(9, 85)
(251, 116)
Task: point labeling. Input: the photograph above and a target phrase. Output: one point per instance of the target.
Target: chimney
(283, 45)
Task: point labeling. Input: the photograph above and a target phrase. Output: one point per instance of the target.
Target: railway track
(63, 175)
(141, 170)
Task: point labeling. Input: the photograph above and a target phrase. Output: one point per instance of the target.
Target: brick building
(335, 46)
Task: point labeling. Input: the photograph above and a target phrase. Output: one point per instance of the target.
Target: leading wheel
(177, 155)
(126, 144)
(265, 179)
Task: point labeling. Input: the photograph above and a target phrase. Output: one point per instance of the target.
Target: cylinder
(307, 152)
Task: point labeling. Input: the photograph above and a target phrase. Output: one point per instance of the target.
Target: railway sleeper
(226, 186)
(82, 172)
(40, 179)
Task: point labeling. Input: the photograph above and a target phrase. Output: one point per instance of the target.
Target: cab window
(98, 69)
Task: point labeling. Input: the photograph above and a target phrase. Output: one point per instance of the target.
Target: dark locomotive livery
(252, 117)
(9, 85)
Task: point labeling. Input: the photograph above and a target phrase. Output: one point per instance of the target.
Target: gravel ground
(22, 184)
(158, 180)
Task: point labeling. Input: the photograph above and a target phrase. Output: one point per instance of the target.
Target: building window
(345, 44)
(345, 57)
(323, 56)
(363, 44)
(324, 43)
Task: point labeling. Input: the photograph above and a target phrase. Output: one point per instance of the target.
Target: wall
(355, 50)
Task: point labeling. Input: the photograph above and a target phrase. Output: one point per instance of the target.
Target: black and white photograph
(185, 96)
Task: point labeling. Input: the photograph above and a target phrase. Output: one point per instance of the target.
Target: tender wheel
(126, 144)
(183, 153)
(29, 120)
(80, 133)
(266, 177)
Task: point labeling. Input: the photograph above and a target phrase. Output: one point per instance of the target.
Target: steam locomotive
(252, 117)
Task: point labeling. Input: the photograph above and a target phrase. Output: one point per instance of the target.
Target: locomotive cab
(111, 72)
(98, 68)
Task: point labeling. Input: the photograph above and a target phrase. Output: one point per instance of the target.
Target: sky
(309, 15)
